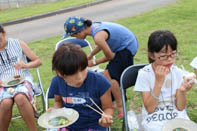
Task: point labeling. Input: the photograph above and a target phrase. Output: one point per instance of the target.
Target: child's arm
(100, 40)
(58, 102)
(94, 52)
(181, 99)
(35, 61)
(106, 119)
(151, 99)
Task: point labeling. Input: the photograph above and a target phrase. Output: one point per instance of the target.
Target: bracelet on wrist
(155, 97)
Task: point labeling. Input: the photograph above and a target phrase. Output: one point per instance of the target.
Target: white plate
(71, 114)
(7, 80)
(184, 124)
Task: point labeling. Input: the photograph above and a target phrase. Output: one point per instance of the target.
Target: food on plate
(62, 122)
(17, 76)
(59, 121)
(13, 82)
(11, 90)
(190, 76)
(179, 129)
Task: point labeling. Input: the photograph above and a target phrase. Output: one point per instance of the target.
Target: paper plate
(69, 113)
(7, 82)
(181, 124)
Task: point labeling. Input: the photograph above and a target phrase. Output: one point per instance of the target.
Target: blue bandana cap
(73, 25)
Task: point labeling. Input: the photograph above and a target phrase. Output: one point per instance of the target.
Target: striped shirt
(9, 56)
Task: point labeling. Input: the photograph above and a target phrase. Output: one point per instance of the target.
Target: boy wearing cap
(118, 44)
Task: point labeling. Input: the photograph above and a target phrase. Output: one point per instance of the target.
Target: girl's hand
(50, 109)
(106, 120)
(160, 73)
(187, 84)
(1, 81)
(20, 65)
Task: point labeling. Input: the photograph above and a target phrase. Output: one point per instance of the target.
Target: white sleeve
(177, 77)
(194, 63)
(143, 81)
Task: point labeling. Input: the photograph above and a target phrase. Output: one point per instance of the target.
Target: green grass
(18, 13)
(180, 18)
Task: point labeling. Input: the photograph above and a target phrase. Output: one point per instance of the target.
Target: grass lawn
(180, 18)
(18, 13)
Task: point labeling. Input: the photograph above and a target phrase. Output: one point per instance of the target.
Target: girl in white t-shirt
(161, 83)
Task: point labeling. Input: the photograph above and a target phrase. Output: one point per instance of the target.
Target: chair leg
(123, 126)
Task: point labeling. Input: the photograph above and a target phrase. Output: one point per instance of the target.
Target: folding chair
(128, 79)
(82, 43)
(38, 90)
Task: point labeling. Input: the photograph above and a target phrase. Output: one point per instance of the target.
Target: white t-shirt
(166, 109)
(194, 63)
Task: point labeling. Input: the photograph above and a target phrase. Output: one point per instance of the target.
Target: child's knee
(6, 104)
(20, 99)
(107, 75)
(114, 82)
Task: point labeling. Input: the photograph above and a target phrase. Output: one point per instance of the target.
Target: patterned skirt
(10, 92)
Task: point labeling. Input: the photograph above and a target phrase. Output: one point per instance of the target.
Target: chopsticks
(94, 109)
(101, 112)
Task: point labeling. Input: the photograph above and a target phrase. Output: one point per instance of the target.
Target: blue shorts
(121, 61)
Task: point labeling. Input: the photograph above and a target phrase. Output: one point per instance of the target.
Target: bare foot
(119, 109)
(120, 113)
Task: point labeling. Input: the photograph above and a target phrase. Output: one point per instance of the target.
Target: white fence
(7, 4)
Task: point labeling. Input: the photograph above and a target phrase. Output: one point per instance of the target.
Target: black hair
(88, 23)
(160, 38)
(2, 29)
(69, 59)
